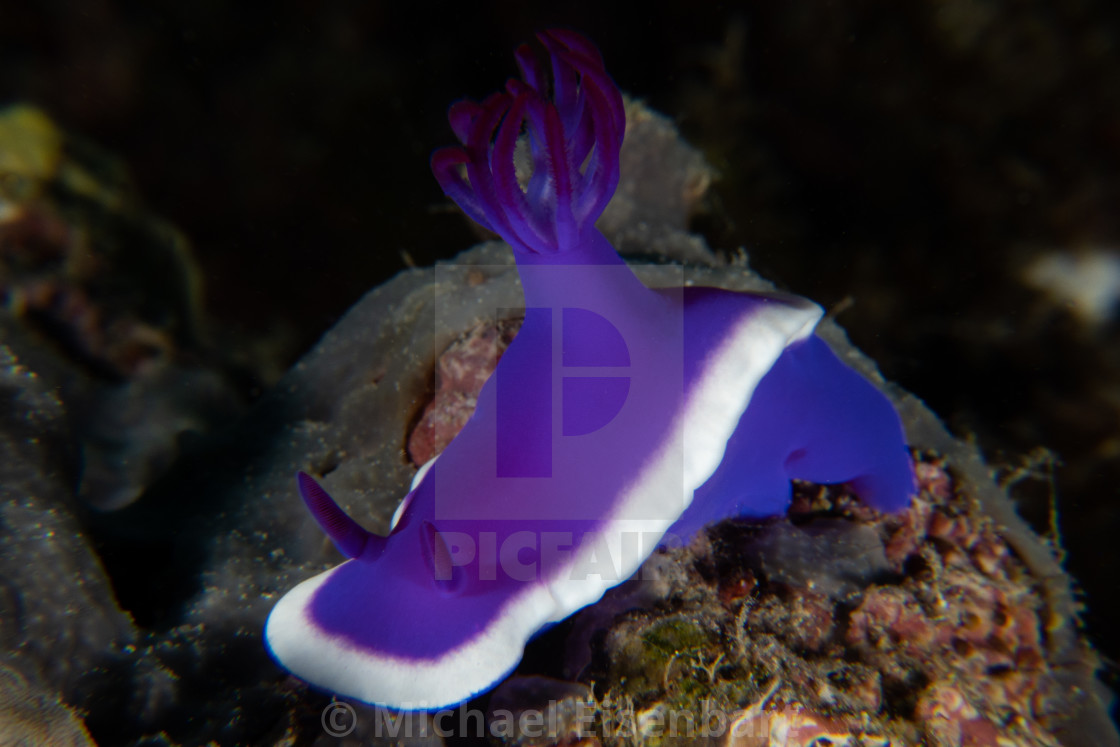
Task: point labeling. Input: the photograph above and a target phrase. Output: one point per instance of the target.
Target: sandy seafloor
(943, 176)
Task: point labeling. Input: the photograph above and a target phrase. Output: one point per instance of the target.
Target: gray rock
(58, 616)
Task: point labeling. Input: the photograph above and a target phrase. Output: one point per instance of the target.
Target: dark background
(903, 162)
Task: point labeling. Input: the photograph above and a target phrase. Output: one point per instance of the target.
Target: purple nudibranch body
(620, 415)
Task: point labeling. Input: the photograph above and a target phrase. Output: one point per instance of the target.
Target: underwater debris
(112, 286)
(104, 301)
(1085, 282)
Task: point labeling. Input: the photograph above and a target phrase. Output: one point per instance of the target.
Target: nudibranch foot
(490, 549)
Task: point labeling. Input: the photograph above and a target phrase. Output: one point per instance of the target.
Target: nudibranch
(620, 416)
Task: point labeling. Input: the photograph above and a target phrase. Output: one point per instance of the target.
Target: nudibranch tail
(574, 137)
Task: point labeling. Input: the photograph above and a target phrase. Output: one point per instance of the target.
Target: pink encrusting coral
(944, 645)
